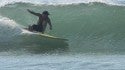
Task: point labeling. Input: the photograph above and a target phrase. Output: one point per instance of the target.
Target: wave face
(93, 27)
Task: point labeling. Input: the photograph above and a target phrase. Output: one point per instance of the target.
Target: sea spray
(8, 29)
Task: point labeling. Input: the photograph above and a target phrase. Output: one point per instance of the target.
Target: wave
(62, 2)
(95, 27)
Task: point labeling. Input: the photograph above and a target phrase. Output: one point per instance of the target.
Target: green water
(90, 27)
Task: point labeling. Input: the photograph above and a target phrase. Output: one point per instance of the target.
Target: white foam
(8, 28)
(58, 2)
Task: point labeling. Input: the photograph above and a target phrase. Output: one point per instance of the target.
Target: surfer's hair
(46, 13)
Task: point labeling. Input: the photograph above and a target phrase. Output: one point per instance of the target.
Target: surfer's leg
(35, 27)
(44, 28)
(41, 29)
(30, 28)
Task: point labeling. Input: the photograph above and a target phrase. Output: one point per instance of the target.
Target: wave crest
(61, 2)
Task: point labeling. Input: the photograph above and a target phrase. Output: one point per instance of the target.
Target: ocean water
(94, 29)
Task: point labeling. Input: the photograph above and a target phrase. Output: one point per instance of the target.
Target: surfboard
(46, 35)
(53, 37)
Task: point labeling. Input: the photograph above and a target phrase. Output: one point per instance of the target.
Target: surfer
(42, 22)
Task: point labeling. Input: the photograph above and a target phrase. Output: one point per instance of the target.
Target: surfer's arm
(49, 22)
(37, 14)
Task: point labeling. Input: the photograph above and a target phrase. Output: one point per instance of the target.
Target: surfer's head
(45, 13)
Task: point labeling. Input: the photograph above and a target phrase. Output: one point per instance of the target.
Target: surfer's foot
(42, 32)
